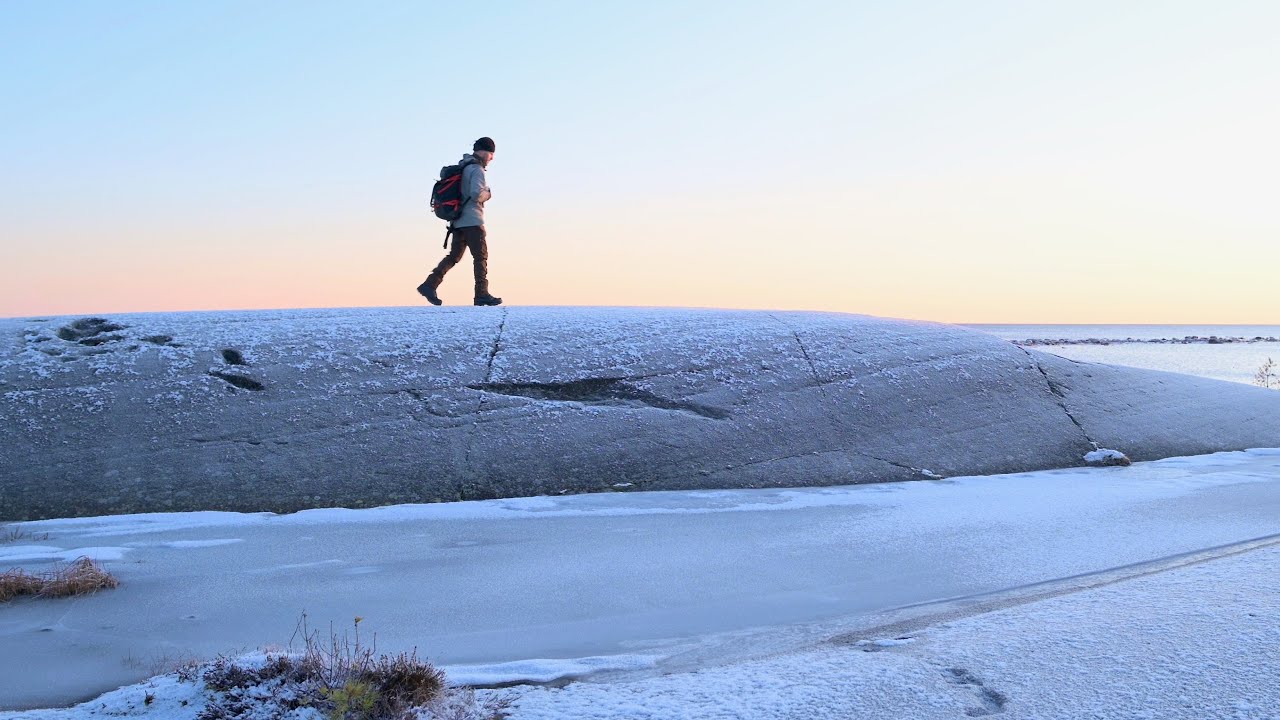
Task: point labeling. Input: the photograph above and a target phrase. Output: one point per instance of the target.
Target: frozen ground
(1198, 642)
(651, 584)
(288, 410)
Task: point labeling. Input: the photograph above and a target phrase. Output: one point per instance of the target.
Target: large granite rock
(286, 410)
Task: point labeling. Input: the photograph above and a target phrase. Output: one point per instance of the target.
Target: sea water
(1156, 347)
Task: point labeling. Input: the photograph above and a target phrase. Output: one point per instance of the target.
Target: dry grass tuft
(404, 681)
(81, 577)
(342, 679)
(16, 533)
(17, 583)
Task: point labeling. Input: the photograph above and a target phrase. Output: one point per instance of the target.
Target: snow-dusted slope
(285, 410)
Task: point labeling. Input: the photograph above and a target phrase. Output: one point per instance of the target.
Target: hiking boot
(488, 300)
(428, 291)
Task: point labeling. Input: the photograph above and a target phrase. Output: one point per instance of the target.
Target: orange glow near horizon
(960, 256)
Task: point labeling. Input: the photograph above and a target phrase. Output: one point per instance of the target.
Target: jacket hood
(469, 159)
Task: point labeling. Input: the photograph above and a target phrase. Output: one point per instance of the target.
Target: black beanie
(484, 143)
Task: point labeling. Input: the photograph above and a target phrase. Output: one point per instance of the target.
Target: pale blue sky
(954, 161)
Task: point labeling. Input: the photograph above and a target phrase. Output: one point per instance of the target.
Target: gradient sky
(984, 161)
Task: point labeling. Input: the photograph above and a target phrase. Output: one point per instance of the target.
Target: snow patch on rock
(1106, 456)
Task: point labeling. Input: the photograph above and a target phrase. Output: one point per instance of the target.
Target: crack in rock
(467, 470)
(812, 368)
(244, 441)
(243, 382)
(922, 471)
(615, 392)
(497, 342)
(993, 701)
(1056, 390)
(804, 351)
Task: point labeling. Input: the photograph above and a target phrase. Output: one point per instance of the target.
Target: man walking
(468, 230)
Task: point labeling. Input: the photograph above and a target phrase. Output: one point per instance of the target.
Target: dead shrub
(224, 674)
(397, 682)
(1268, 376)
(404, 681)
(81, 577)
(340, 677)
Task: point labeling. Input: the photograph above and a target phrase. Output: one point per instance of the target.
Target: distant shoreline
(1187, 340)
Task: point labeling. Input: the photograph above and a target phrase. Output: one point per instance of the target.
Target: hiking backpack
(446, 197)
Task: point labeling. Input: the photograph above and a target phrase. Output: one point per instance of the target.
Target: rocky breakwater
(285, 410)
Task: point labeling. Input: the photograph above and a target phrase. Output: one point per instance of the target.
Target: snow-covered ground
(1201, 640)
(1197, 642)
(703, 598)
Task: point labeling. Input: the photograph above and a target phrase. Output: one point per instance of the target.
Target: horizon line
(985, 323)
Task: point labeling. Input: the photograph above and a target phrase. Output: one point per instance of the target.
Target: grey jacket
(475, 193)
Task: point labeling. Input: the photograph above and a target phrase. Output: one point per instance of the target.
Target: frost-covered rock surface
(284, 410)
